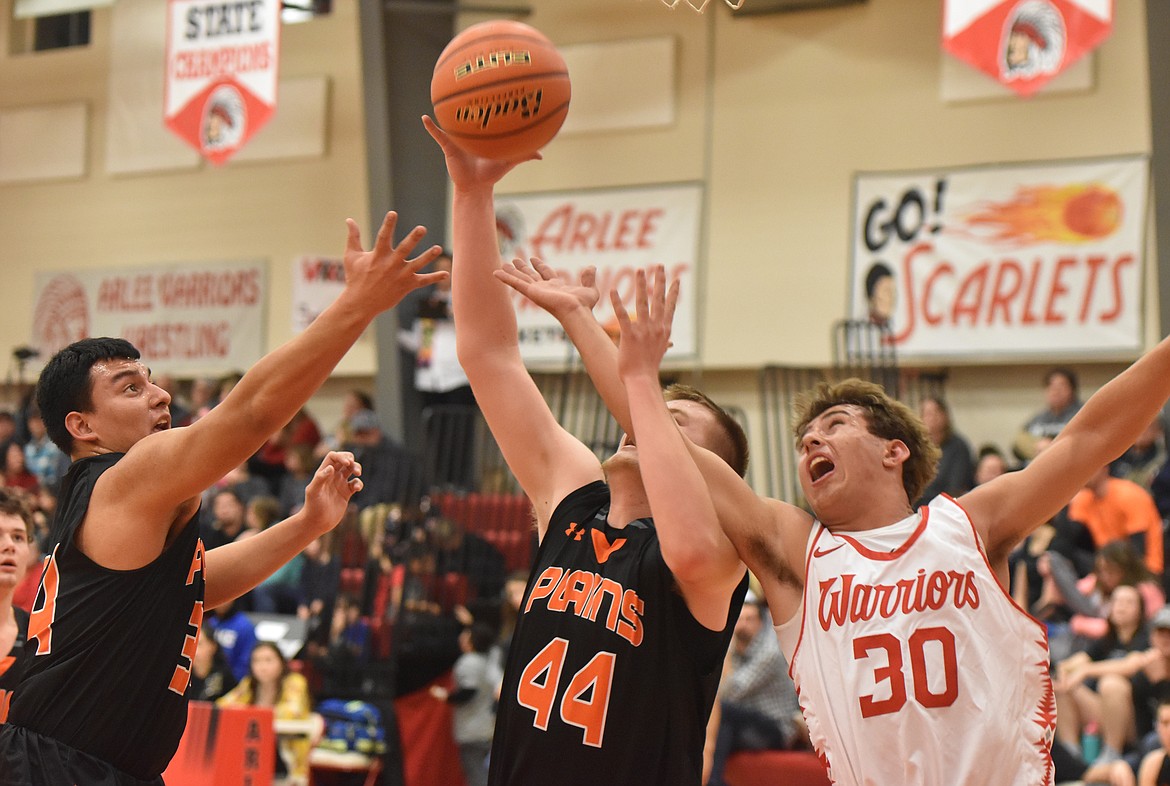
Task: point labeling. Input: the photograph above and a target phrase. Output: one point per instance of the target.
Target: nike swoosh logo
(824, 552)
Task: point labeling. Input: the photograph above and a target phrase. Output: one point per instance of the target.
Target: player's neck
(627, 499)
(869, 517)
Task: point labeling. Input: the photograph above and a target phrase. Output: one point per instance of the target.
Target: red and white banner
(1006, 262)
(317, 281)
(619, 231)
(1023, 44)
(193, 318)
(222, 61)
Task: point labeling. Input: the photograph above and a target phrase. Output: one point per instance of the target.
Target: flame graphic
(1071, 214)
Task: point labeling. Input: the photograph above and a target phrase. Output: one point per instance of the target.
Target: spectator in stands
(990, 464)
(320, 577)
(280, 593)
(7, 427)
(355, 401)
(1061, 402)
(1080, 699)
(228, 521)
(757, 699)
(270, 683)
(260, 514)
(235, 634)
(387, 468)
(211, 675)
(16, 472)
(466, 554)
(1141, 462)
(1117, 564)
(513, 596)
(1155, 766)
(15, 550)
(1118, 509)
(476, 676)
(298, 471)
(349, 633)
(956, 466)
(204, 396)
(42, 458)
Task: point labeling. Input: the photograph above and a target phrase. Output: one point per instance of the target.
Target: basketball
(500, 90)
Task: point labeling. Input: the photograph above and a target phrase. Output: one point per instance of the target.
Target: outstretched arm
(1006, 509)
(700, 556)
(237, 567)
(572, 306)
(546, 459)
(769, 535)
(182, 462)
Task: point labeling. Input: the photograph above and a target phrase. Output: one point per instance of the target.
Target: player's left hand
(645, 339)
(333, 484)
(538, 282)
(466, 169)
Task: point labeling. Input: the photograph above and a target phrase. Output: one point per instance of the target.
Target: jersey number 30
(893, 671)
(586, 697)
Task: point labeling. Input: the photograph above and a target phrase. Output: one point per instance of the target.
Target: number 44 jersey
(912, 663)
(609, 678)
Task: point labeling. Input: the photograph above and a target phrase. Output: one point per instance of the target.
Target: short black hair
(877, 272)
(1069, 375)
(65, 385)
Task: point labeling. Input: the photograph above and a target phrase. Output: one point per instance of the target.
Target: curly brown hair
(885, 417)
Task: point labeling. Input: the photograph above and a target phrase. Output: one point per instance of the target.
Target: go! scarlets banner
(1004, 262)
(620, 231)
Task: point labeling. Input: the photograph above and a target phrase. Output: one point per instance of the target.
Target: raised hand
(645, 339)
(540, 283)
(466, 169)
(382, 276)
(328, 493)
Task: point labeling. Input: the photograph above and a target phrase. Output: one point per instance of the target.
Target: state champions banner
(617, 230)
(221, 72)
(190, 318)
(1003, 262)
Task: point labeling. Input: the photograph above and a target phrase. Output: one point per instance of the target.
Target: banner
(1024, 44)
(221, 72)
(191, 318)
(1019, 261)
(617, 230)
(317, 281)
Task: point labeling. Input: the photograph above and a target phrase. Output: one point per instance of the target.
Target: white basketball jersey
(913, 664)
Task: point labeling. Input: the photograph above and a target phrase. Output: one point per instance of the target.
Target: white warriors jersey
(913, 664)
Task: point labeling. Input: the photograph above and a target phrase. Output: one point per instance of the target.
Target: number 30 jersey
(108, 655)
(609, 678)
(912, 663)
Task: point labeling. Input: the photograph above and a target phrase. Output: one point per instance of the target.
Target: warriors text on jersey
(10, 665)
(110, 650)
(912, 663)
(609, 678)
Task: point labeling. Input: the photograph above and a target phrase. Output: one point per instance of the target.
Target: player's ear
(79, 427)
(896, 453)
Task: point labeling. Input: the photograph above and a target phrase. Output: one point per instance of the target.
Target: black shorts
(30, 759)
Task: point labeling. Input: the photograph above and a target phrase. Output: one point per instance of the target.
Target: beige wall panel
(42, 143)
(297, 130)
(606, 98)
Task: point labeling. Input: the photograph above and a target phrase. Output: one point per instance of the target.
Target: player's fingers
(385, 239)
(423, 259)
(671, 302)
(641, 308)
(353, 236)
(543, 269)
(408, 244)
(437, 134)
(589, 276)
(657, 294)
(619, 311)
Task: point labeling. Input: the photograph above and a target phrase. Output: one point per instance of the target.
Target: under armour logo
(575, 530)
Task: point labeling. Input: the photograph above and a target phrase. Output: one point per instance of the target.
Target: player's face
(127, 406)
(838, 453)
(14, 550)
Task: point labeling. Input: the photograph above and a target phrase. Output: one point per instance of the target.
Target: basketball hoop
(701, 5)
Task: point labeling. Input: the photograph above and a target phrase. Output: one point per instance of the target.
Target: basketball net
(700, 5)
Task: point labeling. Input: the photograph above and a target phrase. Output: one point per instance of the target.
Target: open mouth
(818, 467)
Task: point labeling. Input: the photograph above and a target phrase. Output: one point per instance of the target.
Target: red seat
(768, 768)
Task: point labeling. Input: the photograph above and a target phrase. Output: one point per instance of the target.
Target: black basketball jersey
(10, 666)
(109, 651)
(609, 679)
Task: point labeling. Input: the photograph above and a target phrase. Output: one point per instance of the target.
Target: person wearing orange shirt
(1117, 509)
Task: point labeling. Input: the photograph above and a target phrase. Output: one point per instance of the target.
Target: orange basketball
(500, 90)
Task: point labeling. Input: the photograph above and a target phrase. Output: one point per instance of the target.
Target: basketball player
(895, 622)
(16, 537)
(116, 620)
(617, 653)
